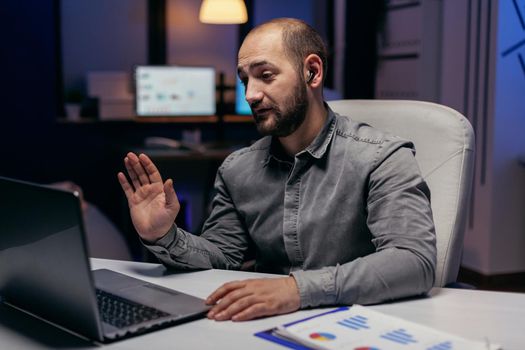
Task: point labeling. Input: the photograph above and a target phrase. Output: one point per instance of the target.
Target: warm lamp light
(223, 12)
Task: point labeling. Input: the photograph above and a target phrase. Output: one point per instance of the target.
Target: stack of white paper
(362, 328)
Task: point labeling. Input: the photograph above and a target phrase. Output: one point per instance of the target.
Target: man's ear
(313, 70)
(310, 77)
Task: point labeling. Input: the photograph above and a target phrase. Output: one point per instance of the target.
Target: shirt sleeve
(222, 245)
(400, 221)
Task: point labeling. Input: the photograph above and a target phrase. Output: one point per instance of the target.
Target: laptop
(45, 271)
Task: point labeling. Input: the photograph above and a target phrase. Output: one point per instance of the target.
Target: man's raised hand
(153, 204)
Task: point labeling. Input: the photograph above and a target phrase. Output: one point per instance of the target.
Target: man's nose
(253, 93)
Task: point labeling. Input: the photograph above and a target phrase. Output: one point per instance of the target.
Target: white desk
(472, 314)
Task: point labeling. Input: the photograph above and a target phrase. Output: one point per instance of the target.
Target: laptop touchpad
(147, 292)
(160, 298)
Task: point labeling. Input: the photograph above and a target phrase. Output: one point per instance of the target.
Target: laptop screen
(43, 256)
(171, 91)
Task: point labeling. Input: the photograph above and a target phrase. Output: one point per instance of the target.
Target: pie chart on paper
(322, 336)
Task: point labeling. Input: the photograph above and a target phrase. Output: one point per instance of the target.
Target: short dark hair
(299, 41)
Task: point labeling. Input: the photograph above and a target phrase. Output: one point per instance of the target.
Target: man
(334, 204)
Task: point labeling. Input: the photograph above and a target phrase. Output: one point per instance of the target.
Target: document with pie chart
(361, 328)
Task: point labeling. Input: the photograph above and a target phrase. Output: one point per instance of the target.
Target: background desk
(478, 315)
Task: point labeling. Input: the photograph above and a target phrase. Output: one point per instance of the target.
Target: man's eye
(266, 75)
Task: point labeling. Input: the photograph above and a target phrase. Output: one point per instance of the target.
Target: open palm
(153, 204)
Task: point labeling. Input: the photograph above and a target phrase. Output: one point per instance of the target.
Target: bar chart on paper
(361, 328)
(399, 336)
(356, 322)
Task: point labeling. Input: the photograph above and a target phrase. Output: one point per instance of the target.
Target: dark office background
(35, 147)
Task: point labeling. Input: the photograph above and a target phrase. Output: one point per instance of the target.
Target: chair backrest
(444, 142)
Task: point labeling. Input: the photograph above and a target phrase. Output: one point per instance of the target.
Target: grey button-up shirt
(349, 217)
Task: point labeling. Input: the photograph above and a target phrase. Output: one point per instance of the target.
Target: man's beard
(289, 118)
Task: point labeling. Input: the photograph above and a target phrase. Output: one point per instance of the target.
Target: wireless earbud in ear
(310, 77)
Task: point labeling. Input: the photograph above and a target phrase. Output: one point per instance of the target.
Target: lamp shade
(223, 12)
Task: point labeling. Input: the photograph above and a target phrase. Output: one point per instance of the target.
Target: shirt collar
(319, 145)
(316, 149)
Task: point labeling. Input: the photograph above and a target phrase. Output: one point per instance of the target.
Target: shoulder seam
(240, 152)
(357, 138)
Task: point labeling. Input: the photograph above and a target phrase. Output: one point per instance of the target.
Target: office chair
(444, 141)
(103, 238)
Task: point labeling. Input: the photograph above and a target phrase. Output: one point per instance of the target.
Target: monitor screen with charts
(173, 91)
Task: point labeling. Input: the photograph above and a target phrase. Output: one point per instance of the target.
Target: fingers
(223, 290)
(128, 191)
(151, 169)
(236, 298)
(141, 170)
(245, 309)
(251, 312)
(131, 173)
(241, 304)
(171, 196)
(232, 303)
(245, 300)
(136, 170)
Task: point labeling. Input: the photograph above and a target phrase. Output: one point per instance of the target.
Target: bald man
(336, 206)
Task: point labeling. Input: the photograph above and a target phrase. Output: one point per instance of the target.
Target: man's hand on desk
(153, 204)
(249, 299)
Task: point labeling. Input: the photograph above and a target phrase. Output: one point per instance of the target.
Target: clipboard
(271, 335)
(359, 327)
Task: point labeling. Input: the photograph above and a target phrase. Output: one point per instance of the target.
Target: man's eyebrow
(255, 65)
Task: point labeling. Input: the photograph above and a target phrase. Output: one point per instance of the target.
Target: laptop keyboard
(122, 313)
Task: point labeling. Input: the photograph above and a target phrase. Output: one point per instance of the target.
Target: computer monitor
(241, 106)
(172, 91)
